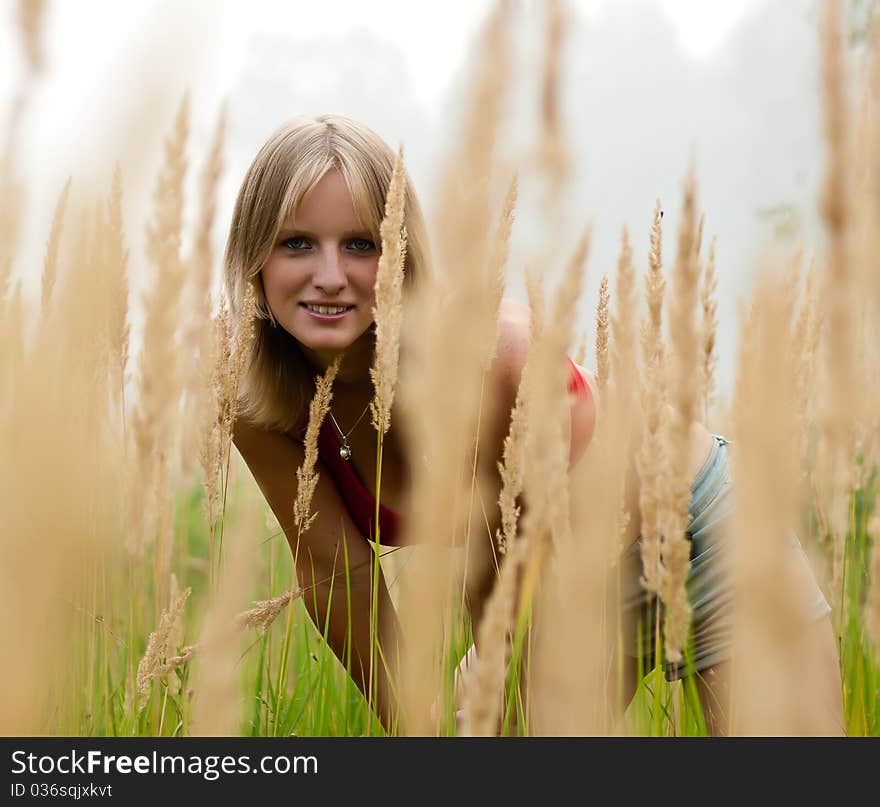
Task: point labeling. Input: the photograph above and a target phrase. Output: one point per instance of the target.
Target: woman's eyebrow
(288, 231)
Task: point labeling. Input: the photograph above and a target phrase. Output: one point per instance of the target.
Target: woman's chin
(327, 345)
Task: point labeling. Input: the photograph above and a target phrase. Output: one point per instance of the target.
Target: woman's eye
(297, 242)
(361, 244)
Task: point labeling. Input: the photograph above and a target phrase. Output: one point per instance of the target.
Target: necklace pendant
(345, 452)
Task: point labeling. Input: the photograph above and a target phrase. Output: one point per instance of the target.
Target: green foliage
(292, 683)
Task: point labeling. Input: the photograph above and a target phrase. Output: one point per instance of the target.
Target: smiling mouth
(327, 312)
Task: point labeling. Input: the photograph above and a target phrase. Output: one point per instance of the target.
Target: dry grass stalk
(164, 527)
(683, 377)
(159, 647)
(873, 614)
(306, 477)
(602, 357)
(512, 465)
(13, 354)
(623, 334)
(708, 327)
(804, 338)
(535, 292)
(655, 286)
(29, 19)
(580, 355)
(30, 24)
(198, 336)
(576, 645)
(8, 227)
(546, 524)
(772, 668)
(872, 443)
(175, 638)
(623, 398)
(5, 265)
(862, 369)
(840, 389)
(577, 615)
(84, 253)
(65, 455)
(553, 158)
(50, 263)
(483, 685)
(218, 697)
(454, 336)
(111, 308)
(501, 248)
(870, 157)
(158, 660)
(791, 279)
(698, 237)
(116, 256)
(547, 406)
(624, 351)
(651, 457)
(176, 662)
(155, 421)
(234, 356)
(388, 308)
(865, 212)
(88, 328)
(243, 339)
(265, 612)
(228, 351)
(10, 201)
(511, 470)
(805, 345)
(217, 408)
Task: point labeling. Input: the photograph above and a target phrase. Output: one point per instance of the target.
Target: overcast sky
(432, 36)
(647, 84)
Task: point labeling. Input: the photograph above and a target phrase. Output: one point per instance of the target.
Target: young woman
(305, 233)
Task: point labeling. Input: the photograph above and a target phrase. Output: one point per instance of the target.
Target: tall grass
(147, 589)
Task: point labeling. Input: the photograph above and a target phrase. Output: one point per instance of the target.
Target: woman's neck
(354, 370)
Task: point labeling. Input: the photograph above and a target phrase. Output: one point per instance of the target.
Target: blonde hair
(276, 383)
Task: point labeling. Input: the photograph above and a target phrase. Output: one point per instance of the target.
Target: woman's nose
(330, 274)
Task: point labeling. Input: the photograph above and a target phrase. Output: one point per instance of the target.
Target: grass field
(146, 587)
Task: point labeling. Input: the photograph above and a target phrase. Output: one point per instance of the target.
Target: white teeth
(326, 309)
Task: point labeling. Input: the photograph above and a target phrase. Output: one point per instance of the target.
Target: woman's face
(323, 257)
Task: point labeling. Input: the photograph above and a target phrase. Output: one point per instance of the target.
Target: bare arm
(504, 380)
(273, 458)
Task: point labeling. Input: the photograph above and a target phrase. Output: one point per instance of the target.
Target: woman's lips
(326, 317)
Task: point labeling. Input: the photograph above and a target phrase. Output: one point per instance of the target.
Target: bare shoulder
(513, 343)
(503, 380)
(512, 351)
(263, 449)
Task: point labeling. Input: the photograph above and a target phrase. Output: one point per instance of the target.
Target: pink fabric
(578, 384)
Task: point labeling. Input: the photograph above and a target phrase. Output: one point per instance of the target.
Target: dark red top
(357, 497)
(360, 502)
